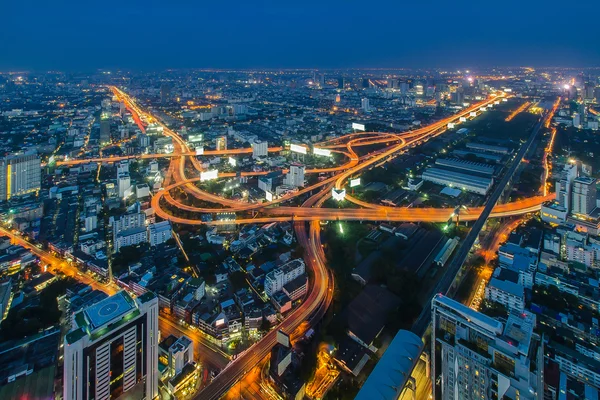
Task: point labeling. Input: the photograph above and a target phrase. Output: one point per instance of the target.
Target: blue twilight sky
(85, 34)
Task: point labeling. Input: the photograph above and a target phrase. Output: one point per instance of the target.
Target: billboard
(497, 102)
(451, 125)
(208, 175)
(338, 194)
(269, 195)
(354, 182)
(483, 109)
(199, 151)
(462, 119)
(504, 99)
(232, 161)
(195, 138)
(298, 149)
(358, 127)
(473, 113)
(321, 152)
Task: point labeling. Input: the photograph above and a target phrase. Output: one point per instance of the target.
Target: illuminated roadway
(205, 350)
(445, 283)
(410, 138)
(319, 292)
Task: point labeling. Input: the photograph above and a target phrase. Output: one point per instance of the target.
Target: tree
(238, 280)
(25, 321)
(265, 325)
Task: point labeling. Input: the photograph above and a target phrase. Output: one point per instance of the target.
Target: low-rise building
(130, 237)
(279, 277)
(159, 232)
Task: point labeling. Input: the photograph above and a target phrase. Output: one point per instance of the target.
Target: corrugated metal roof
(393, 370)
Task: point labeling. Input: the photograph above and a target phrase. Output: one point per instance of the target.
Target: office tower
(478, 357)
(260, 149)
(122, 166)
(365, 83)
(404, 88)
(113, 349)
(565, 184)
(20, 175)
(588, 92)
(124, 184)
(364, 103)
(583, 195)
(295, 177)
(459, 96)
(165, 92)
(143, 140)
(338, 98)
(104, 128)
(341, 83)
(222, 143)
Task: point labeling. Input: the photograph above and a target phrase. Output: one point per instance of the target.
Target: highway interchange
(320, 290)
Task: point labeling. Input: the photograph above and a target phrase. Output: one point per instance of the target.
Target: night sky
(152, 35)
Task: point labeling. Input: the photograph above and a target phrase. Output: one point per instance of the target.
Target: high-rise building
(127, 221)
(113, 349)
(459, 96)
(124, 184)
(295, 177)
(364, 103)
(143, 140)
(165, 92)
(260, 149)
(20, 175)
(130, 237)
(583, 195)
(577, 121)
(564, 187)
(478, 357)
(588, 92)
(123, 166)
(404, 88)
(222, 143)
(104, 128)
(597, 94)
(159, 232)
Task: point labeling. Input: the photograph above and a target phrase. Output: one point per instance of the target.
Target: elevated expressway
(320, 289)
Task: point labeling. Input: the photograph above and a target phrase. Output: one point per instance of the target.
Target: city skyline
(321, 233)
(73, 36)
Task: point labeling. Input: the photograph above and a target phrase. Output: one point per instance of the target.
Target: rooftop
(393, 370)
(367, 313)
(477, 318)
(509, 287)
(108, 310)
